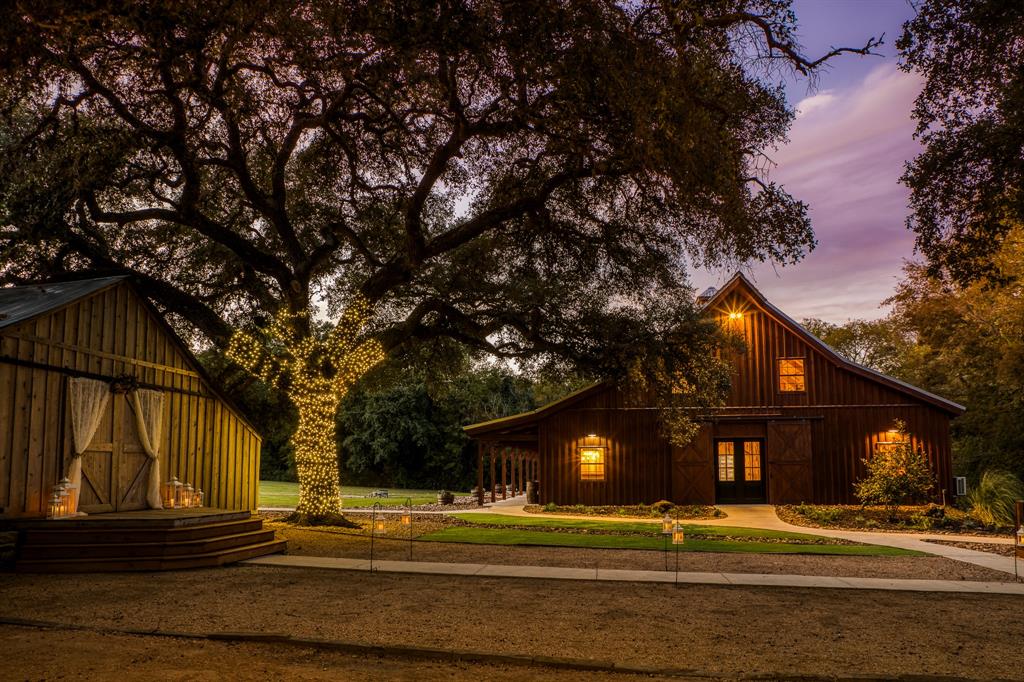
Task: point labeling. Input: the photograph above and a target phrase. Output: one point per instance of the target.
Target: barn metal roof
(21, 303)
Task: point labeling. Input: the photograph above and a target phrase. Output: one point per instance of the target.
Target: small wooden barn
(103, 329)
(797, 425)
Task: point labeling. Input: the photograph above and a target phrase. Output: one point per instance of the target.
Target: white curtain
(89, 399)
(149, 416)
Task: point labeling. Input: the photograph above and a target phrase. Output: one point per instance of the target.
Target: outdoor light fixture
(735, 315)
(406, 518)
(1018, 547)
(197, 497)
(62, 494)
(379, 526)
(170, 492)
(53, 510)
(666, 524)
(186, 495)
(678, 536)
(72, 491)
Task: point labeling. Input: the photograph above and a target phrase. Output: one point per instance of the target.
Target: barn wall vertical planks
(105, 333)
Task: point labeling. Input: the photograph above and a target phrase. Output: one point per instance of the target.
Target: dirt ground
(994, 548)
(328, 542)
(52, 654)
(726, 631)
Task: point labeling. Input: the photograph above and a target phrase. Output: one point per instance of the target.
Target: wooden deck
(150, 540)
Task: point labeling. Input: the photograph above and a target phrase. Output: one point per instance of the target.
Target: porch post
(490, 449)
(504, 474)
(479, 474)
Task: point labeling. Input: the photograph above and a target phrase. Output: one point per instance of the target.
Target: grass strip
(539, 538)
(629, 526)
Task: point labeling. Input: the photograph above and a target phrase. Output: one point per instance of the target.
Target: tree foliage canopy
(967, 186)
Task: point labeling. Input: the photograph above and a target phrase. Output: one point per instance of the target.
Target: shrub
(897, 475)
(550, 507)
(662, 506)
(993, 498)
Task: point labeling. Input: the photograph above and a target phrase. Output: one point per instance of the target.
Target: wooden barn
(96, 387)
(797, 424)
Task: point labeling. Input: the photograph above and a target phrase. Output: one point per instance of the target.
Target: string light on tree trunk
(316, 372)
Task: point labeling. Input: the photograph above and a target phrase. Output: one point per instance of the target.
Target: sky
(844, 157)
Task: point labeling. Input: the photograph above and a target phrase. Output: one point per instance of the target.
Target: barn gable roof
(709, 299)
(739, 280)
(22, 303)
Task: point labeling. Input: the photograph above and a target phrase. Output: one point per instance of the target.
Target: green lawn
(540, 537)
(285, 494)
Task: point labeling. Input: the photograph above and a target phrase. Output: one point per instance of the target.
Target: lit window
(726, 461)
(752, 460)
(592, 464)
(791, 375)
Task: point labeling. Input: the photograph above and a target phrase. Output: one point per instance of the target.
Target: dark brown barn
(797, 425)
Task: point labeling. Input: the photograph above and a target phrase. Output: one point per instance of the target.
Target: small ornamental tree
(896, 475)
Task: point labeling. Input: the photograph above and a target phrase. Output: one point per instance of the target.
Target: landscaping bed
(907, 519)
(640, 511)
(994, 548)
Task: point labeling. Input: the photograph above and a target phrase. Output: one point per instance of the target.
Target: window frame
(603, 463)
(802, 375)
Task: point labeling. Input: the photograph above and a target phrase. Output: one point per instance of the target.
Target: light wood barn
(104, 329)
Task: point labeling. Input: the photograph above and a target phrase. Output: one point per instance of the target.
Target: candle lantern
(406, 518)
(379, 526)
(666, 524)
(169, 492)
(72, 496)
(179, 492)
(62, 494)
(186, 495)
(678, 536)
(53, 509)
(197, 498)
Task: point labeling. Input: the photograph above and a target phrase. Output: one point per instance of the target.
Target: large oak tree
(525, 178)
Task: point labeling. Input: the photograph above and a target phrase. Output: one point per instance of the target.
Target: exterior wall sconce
(735, 315)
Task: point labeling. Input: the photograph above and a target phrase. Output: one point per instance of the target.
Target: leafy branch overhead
(491, 173)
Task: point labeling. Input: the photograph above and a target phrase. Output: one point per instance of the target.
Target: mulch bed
(640, 511)
(909, 519)
(994, 548)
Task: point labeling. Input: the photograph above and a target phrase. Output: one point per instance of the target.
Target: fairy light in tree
(316, 373)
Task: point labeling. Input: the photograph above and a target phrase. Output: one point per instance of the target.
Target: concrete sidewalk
(619, 575)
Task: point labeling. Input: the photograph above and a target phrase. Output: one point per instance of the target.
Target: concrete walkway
(618, 575)
(762, 516)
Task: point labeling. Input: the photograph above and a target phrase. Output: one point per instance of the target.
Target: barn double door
(739, 471)
(115, 468)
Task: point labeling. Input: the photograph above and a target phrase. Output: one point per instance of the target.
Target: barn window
(726, 461)
(791, 375)
(752, 460)
(592, 463)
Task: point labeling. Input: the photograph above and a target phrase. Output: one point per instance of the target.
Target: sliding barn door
(789, 454)
(114, 467)
(693, 476)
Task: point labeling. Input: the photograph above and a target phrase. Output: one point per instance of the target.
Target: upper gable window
(791, 375)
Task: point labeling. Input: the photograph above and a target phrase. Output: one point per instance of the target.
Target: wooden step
(149, 518)
(155, 549)
(128, 563)
(116, 534)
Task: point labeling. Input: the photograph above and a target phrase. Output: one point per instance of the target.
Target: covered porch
(508, 465)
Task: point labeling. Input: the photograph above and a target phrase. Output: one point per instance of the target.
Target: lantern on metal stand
(406, 520)
(678, 538)
(377, 525)
(666, 531)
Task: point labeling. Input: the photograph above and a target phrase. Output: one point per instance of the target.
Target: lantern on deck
(678, 536)
(666, 524)
(72, 491)
(169, 492)
(186, 496)
(53, 509)
(62, 494)
(197, 498)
